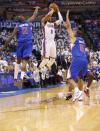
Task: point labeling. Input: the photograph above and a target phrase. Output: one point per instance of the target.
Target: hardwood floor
(47, 110)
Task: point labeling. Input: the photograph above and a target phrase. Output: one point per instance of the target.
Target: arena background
(86, 14)
(41, 104)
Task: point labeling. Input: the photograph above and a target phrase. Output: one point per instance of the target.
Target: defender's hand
(37, 7)
(67, 14)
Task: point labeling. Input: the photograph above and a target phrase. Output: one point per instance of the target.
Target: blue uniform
(24, 38)
(79, 63)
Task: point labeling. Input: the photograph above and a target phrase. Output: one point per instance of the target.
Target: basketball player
(89, 77)
(23, 32)
(48, 46)
(79, 62)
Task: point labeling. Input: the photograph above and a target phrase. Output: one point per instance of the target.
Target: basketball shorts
(78, 68)
(48, 49)
(24, 49)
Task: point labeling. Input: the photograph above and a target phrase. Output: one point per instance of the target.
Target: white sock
(76, 89)
(86, 88)
(16, 70)
(22, 75)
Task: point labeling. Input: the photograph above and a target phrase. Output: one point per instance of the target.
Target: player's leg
(17, 64)
(80, 86)
(50, 63)
(82, 76)
(44, 62)
(52, 54)
(23, 68)
(17, 68)
(89, 77)
(70, 85)
(26, 53)
(45, 53)
(80, 83)
(74, 72)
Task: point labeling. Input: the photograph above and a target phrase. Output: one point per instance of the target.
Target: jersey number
(24, 30)
(51, 31)
(82, 48)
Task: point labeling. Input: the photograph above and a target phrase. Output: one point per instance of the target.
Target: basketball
(54, 7)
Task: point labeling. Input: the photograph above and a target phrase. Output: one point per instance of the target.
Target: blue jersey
(78, 50)
(24, 32)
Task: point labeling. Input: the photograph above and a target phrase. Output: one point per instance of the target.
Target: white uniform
(48, 45)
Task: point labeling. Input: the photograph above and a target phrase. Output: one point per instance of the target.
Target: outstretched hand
(67, 14)
(37, 7)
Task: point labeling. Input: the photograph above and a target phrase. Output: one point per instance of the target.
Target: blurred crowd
(59, 69)
(93, 30)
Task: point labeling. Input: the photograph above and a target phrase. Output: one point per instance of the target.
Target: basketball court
(47, 110)
(47, 49)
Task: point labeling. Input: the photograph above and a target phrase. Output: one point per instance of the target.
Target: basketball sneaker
(77, 96)
(86, 91)
(81, 97)
(69, 96)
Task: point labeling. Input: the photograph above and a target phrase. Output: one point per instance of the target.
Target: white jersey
(49, 31)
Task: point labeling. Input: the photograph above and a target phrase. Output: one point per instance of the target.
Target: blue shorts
(24, 49)
(78, 68)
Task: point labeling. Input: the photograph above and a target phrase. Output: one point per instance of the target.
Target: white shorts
(48, 49)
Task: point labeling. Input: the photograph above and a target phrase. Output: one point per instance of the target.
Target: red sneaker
(86, 91)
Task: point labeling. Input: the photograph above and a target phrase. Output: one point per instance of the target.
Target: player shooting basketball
(48, 46)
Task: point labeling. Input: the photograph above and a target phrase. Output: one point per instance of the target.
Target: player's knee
(91, 77)
(24, 63)
(18, 61)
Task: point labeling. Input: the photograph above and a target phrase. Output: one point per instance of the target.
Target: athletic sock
(16, 70)
(22, 75)
(76, 89)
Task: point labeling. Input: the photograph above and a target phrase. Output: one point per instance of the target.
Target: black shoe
(69, 96)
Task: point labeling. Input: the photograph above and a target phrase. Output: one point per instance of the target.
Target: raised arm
(34, 14)
(60, 20)
(67, 25)
(11, 37)
(47, 17)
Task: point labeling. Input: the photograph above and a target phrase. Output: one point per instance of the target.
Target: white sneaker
(78, 96)
(81, 97)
